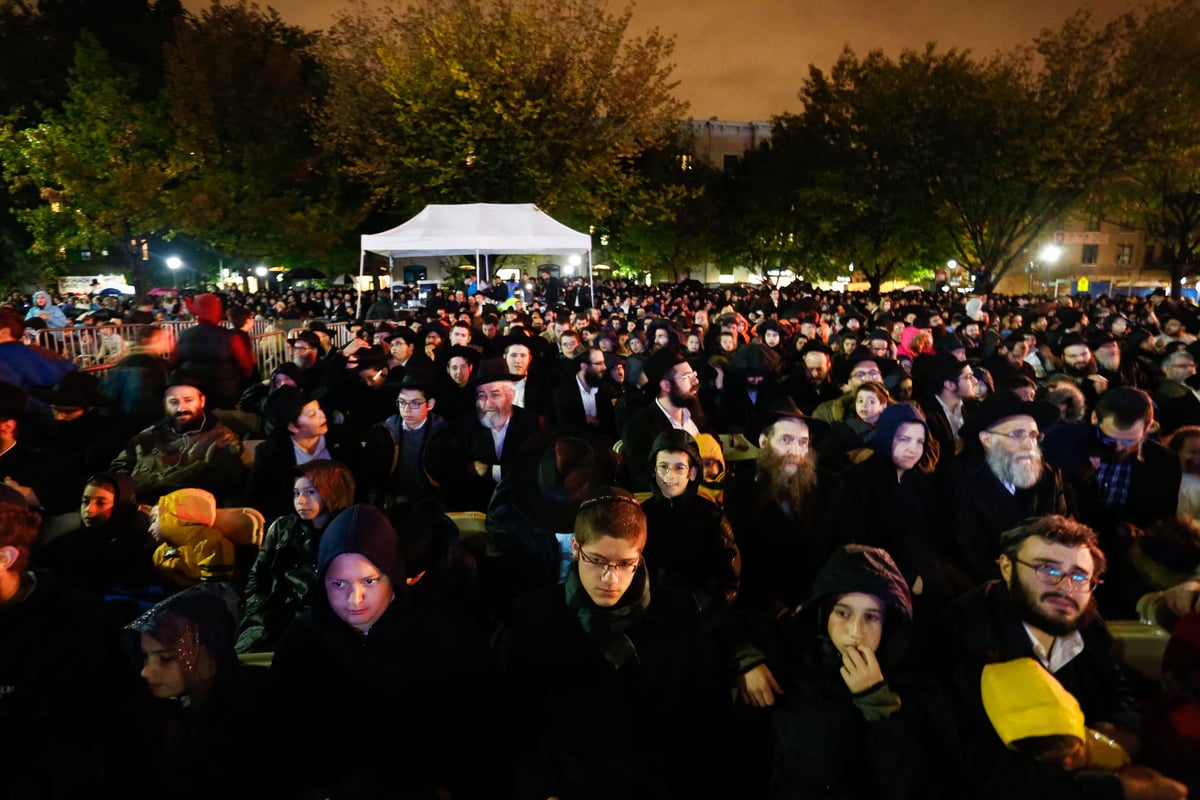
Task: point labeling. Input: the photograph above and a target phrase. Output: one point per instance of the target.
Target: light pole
(174, 263)
(1048, 255)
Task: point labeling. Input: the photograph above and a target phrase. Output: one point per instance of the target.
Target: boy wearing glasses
(616, 686)
(1041, 608)
(407, 453)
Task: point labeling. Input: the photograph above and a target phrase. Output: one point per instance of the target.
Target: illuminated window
(1124, 254)
(1091, 252)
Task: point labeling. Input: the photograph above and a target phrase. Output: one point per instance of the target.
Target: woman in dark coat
(893, 495)
(839, 730)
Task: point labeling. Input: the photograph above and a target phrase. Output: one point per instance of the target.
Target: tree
(250, 179)
(98, 166)
(992, 151)
(506, 101)
(1158, 91)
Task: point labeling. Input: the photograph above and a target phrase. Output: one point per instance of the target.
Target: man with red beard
(1042, 608)
(999, 480)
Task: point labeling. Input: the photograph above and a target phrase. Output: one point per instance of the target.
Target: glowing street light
(174, 262)
(1050, 254)
(260, 272)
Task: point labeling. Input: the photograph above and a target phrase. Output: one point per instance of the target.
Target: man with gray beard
(1000, 481)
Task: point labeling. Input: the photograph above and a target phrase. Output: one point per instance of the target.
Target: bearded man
(673, 388)
(783, 509)
(492, 436)
(1000, 479)
(1042, 608)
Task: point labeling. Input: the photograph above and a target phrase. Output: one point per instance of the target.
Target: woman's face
(908, 445)
(868, 406)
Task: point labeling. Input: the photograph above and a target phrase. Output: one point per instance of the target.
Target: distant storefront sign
(1080, 237)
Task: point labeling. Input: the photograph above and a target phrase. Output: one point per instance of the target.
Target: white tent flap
(492, 228)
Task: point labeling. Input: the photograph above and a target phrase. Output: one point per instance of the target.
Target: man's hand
(860, 669)
(480, 468)
(1143, 783)
(1099, 382)
(757, 687)
(1183, 598)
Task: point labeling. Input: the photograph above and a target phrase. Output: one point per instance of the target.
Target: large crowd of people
(544, 539)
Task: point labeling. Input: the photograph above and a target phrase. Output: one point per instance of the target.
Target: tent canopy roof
(493, 228)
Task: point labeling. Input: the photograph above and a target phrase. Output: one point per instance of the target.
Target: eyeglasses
(866, 375)
(1020, 436)
(1051, 575)
(403, 405)
(687, 376)
(1124, 444)
(667, 469)
(621, 568)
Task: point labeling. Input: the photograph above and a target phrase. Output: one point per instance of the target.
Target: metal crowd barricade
(100, 345)
(339, 333)
(270, 350)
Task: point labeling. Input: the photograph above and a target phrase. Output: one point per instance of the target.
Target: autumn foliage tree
(506, 101)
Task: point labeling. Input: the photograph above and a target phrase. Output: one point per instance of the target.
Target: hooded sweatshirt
(831, 743)
(55, 317)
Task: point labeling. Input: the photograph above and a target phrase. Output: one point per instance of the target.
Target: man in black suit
(946, 382)
(584, 403)
(492, 437)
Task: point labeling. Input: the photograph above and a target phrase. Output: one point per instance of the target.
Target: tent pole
(591, 279)
(392, 277)
(477, 273)
(362, 265)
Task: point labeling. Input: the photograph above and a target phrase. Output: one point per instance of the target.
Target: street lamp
(174, 263)
(1048, 255)
(260, 272)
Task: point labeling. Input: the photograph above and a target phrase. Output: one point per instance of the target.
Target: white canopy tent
(481, 228)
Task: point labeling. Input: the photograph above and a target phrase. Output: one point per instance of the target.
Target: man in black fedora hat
(672, 387)
(81, 441)
(492, 435)
(781, 507)
(1000, 479)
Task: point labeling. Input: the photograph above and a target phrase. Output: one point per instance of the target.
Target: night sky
(746, 60)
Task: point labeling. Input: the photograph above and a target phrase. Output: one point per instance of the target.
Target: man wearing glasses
(1042, 607)
(1000, 479)
(1119, 473)
(617, 688)
(583, 404)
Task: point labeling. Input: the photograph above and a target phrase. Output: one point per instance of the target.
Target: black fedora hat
(784, 407)
(554, 473)
(1003, 405)
(472, 355)
(12, 401)
(419, 375)
(74, 390)
(491, 370)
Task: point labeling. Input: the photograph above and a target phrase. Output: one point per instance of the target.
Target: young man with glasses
(1042, 607)
(407, 454)
(615, 685)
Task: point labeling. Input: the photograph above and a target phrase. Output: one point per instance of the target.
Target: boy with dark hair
(613, 684)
